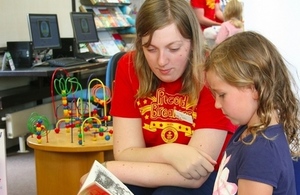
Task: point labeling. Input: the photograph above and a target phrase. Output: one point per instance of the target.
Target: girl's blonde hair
(154, 15)
(233, 12)
(249, 59)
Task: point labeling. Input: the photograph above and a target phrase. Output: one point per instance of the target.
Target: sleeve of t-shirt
(200, 3)
(251, 167)
(210, 117)
(124, 89)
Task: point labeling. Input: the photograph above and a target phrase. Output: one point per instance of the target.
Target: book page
(102, 181)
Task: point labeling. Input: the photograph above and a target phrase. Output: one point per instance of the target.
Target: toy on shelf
(81, 110)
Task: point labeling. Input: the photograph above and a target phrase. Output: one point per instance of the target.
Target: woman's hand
(190, 162)
(196, 159)
(83, 178)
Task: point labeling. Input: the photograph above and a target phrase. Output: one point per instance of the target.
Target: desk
(60, 164)
(47, 71)
(41, 89)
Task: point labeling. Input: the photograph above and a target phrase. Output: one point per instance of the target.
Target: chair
(111, 69)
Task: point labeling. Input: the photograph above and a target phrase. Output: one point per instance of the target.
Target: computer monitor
(84, 27)
(44, 31)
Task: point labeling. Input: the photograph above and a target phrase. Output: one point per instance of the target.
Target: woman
(167, 134)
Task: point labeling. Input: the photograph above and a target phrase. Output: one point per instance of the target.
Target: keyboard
(66, 61)
(89, 56)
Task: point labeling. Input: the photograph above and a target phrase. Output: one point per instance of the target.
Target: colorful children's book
(105, 17)
(118, 16)
(98, 22)
(101, 181)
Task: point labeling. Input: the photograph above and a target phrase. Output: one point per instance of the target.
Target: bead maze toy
(86, 115)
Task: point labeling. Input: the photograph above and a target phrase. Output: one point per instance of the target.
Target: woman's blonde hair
(154, 15)
(233, 12)
(249, 59)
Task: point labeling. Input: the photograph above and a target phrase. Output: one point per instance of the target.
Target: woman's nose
(162, 59)
(217, 104)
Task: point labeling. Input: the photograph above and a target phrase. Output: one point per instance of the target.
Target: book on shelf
(105, 16)
(110, 46)
(119, 41)
(98, 1)
(107, 45)
(120, 45)
(112, 1)
(101, 181)
(124, 1)
(98, 48)
(119, 16)
(98, 22)
(109, 16)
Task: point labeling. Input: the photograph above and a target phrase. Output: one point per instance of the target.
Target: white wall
(13, 17)
(278, 21)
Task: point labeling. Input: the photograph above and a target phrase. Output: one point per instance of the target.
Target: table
(47, 71)
(60, 164)
(41, 89)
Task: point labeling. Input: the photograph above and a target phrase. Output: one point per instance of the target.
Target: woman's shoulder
(125, 67)
(126, 62)
(127, 58)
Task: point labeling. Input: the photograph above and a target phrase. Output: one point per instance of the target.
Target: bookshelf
(111, 23)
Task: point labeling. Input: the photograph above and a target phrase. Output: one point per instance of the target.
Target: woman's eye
(174, 49)
(150, 49)
(221, 95)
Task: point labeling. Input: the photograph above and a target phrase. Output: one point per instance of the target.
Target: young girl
(233, 21)
(252, 86)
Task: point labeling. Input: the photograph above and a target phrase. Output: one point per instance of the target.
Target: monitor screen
(84, 27)
(44, 31)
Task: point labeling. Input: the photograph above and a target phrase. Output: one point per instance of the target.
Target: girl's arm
(248, 187)
(204, 20)
(218, 12)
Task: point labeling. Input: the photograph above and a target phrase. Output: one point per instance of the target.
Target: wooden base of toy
(60, 164)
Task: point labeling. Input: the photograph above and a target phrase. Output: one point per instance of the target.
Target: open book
(101, 181)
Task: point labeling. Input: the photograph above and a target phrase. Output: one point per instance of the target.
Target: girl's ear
(254, 93)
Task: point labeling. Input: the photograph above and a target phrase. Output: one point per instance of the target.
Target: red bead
(57, 130)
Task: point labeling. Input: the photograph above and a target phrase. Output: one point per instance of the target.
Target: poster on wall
(3, 180)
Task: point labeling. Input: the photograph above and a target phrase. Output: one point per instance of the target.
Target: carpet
(21, 178)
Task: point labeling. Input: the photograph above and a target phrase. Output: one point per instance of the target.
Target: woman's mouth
(164, 71)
